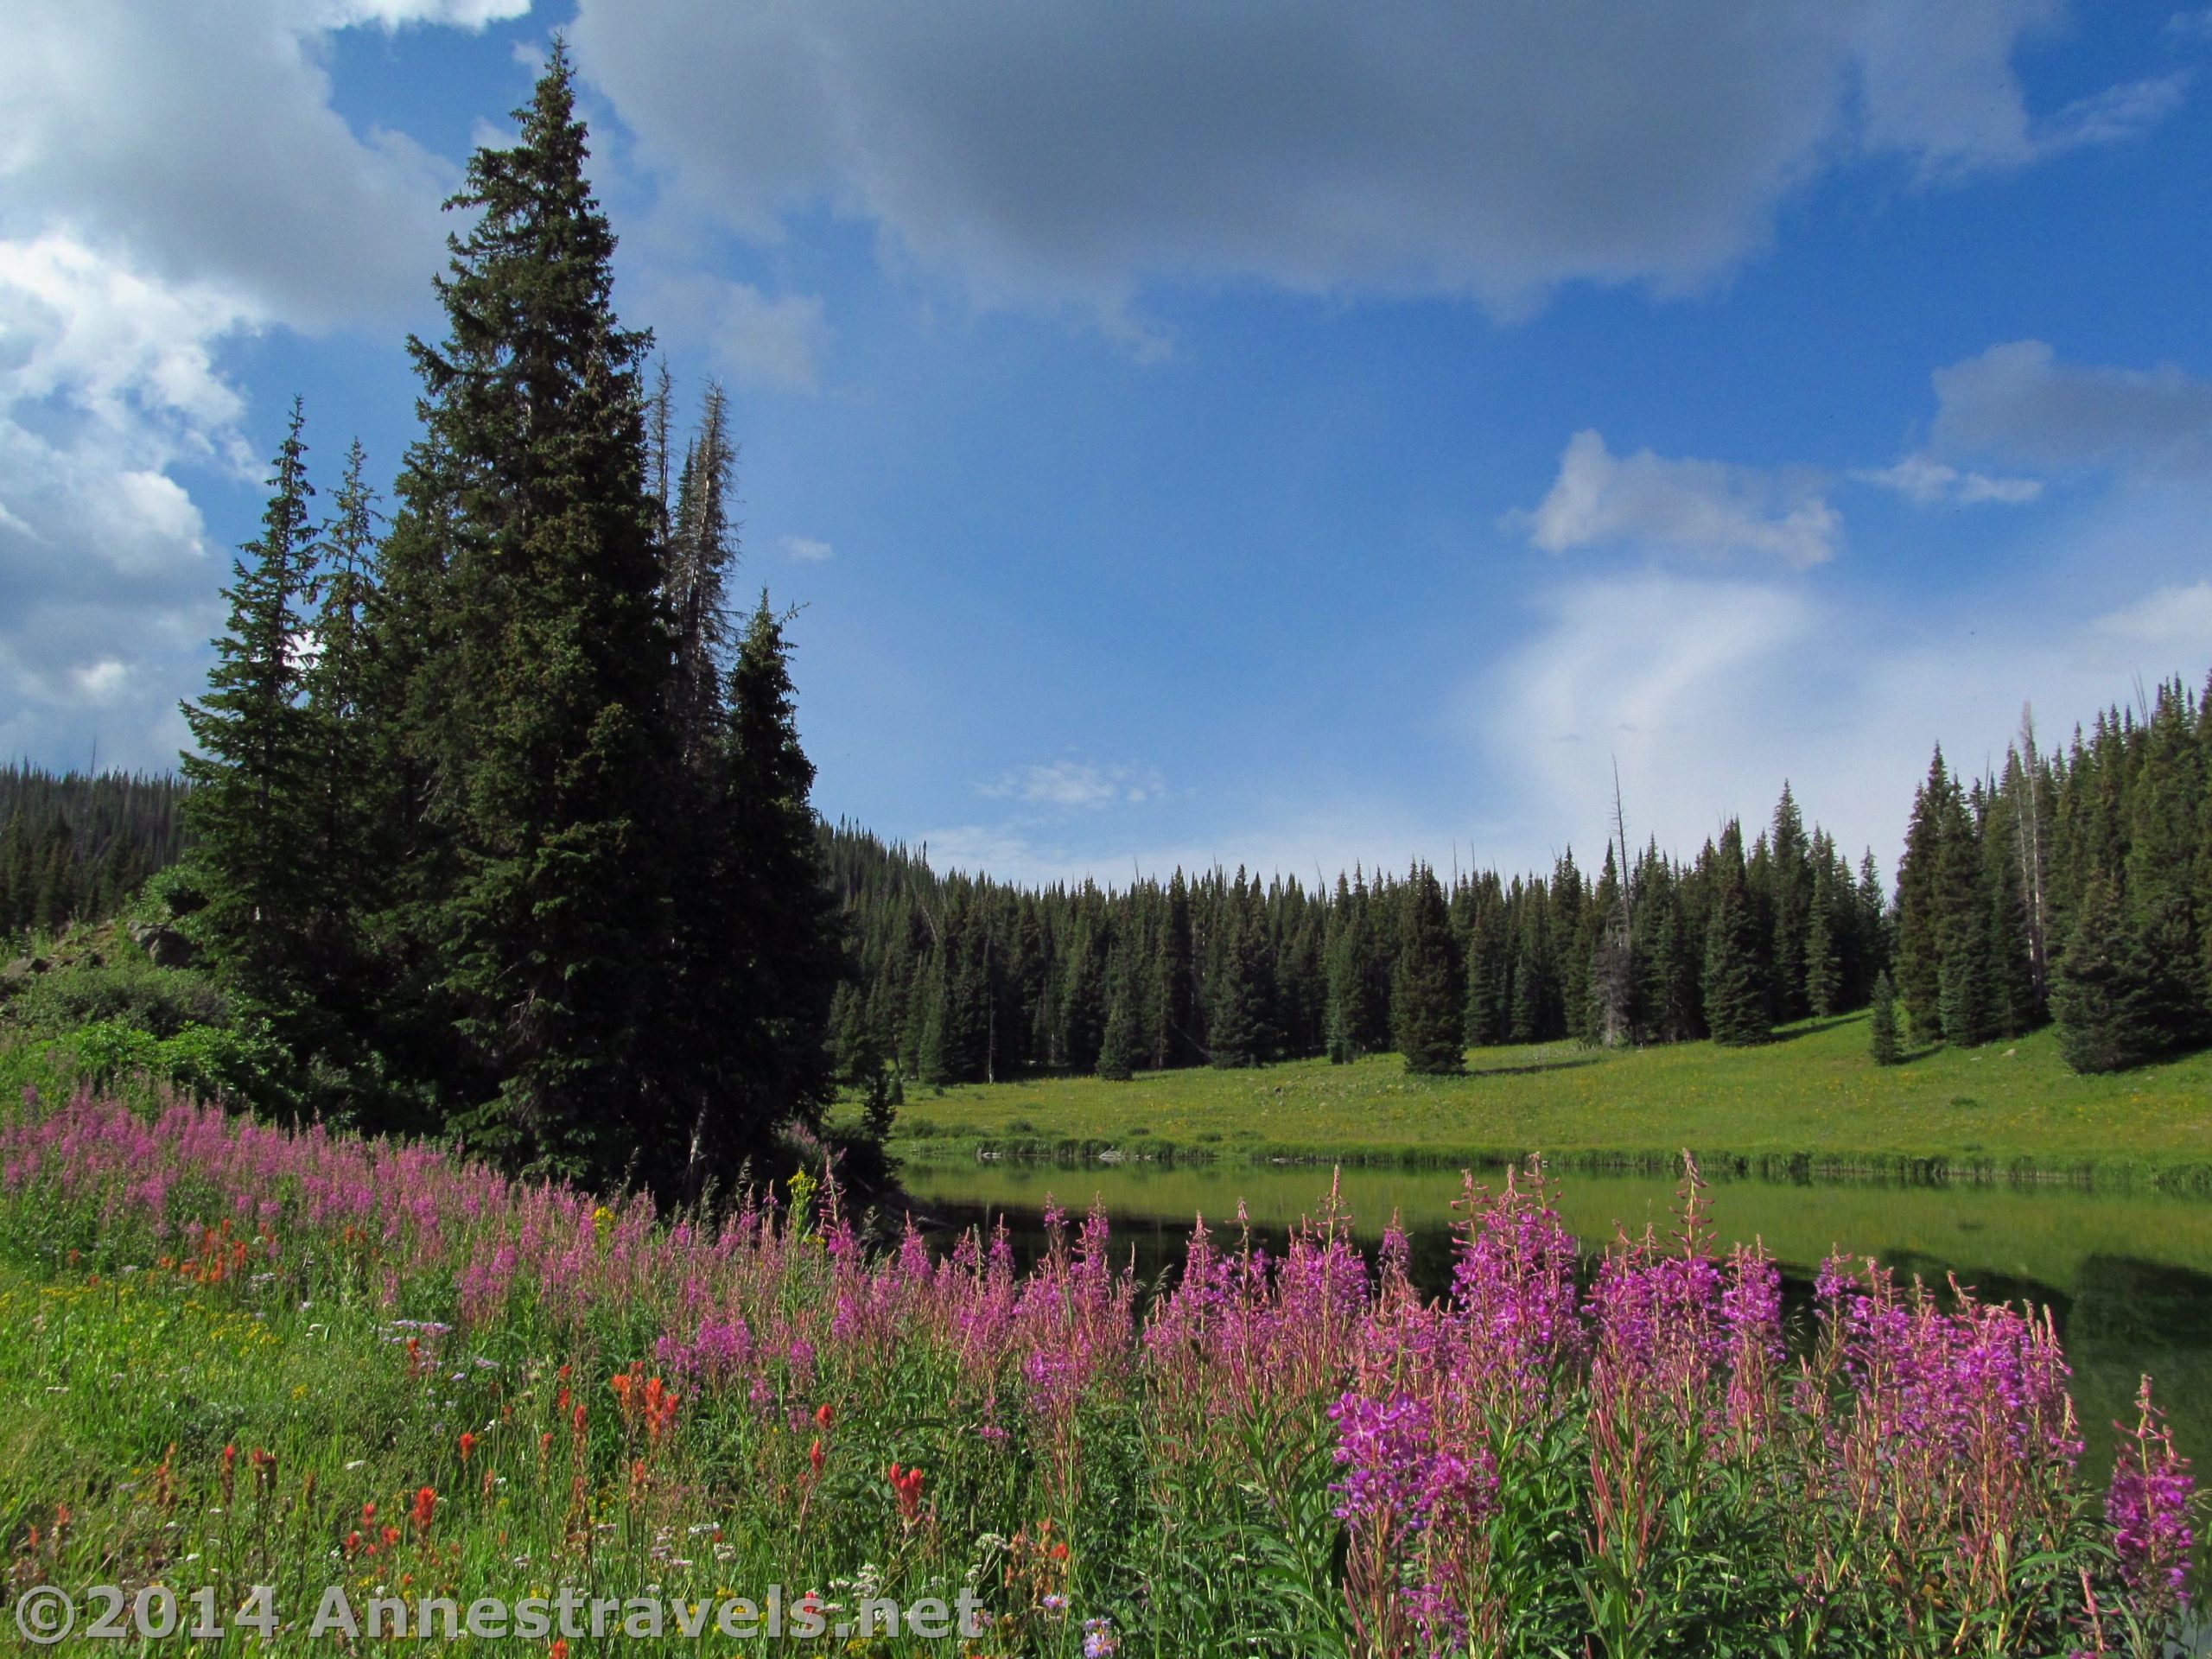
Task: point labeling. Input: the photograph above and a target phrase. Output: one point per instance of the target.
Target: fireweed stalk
(1292, 1453)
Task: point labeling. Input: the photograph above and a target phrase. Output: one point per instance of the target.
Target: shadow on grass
(1814, 1027)
(1914, 1056)
(1567, 1062)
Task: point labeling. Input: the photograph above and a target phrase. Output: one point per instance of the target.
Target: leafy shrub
(160, 1002)
(107, 1049)
(175, 892)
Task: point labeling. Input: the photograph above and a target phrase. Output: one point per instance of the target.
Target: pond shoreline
(1798, 1168)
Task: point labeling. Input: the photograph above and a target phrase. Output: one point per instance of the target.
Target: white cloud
(2019, 401)
(1076, 154)
(197, 144)
(1929, 483)
(807, 549)
(399, 14)
(107, 589)
(1079, 786)
(1937, 84)
(1711, 692)
(121, 347)
(1302, 838)
(2161, 630)
(1703, 507)
(2115, 115)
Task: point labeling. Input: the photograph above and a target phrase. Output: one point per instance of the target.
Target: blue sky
(1288, 436)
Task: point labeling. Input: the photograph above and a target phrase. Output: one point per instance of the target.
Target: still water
(2127, 1275)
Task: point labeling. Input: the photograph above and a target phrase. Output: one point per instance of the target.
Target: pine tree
(1966, 975)
(1882, 1024)
(938, 1060)
(1351, 1015)
(1824, 957)
(783, 947)
(2012, 1005)
(250, 810)
(18, 881)
(1616, 975)
(1179, 1040)
(1488, 1020)
(1238, 1022)
(1427, 1001)
(1574, 936)
(1118, 1048)
(1736, 1009)
(2163, 813)
(1083, 1002)
(527, 586)
(1670, 995)
(2101, 989)
(1873, 929)
(1790, 879)
(349, 873)
(1920, 915)
(55, 903)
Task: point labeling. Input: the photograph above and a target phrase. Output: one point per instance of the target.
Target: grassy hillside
(1813, 1095)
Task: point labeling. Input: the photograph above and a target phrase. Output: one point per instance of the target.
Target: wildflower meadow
(242, 1356)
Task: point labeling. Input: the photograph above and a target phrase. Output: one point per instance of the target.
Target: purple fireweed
(2147, 1507)
(1932, 1436)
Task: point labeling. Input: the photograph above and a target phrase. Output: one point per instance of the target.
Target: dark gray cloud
(1075, 151)
(2019, 401)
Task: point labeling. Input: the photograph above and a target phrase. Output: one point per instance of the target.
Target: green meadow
(1812, 1099)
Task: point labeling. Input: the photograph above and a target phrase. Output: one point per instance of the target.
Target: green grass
(1812, 1099)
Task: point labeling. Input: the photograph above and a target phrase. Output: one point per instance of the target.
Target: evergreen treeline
(74, 846)
(500, 816)
(2077, 886)
(964, 979)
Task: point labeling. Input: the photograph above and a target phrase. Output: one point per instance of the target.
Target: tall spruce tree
(337, 684)
(1736, 1011)
(1238, 1025)
(1427, 1002)
(252, 810)
(1873, 928)
(1118, 1047)
(1353, 1019)
(777, 955)
(1882, 1024)
(1488, 1018)
(1790, 878)
(1965, 975)
(1179, 1041)
(1823, 951)
(1921, 911)
(530, 557)
(2102, 989)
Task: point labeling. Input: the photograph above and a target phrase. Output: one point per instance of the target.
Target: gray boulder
(165, 946)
